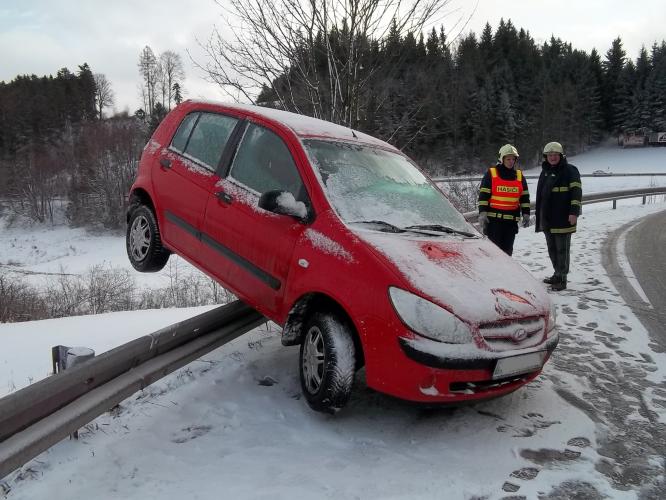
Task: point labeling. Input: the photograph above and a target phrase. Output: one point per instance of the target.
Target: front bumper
(453, 357)
(445, 373)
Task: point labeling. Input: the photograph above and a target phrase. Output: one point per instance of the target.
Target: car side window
(263, 163)
(208, 139)
(179, 140)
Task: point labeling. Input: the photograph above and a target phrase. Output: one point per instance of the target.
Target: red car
(342, 240)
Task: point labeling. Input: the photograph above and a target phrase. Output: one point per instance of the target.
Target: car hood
(471, 277)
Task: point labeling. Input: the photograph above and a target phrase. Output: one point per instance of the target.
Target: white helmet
(507, 150)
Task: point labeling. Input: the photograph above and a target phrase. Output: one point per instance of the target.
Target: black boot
(559, 284)
(550, 280)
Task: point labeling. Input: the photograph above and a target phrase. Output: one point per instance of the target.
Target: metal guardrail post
(64, 357)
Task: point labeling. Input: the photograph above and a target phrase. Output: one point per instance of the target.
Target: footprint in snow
(192, 432)
(526, 473)
(267, 381)
(546, 456)
(579, 442)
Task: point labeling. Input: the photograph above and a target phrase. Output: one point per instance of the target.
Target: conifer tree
(612, 91)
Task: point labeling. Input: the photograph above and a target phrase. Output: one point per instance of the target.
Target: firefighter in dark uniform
(558, 205)
(504, 200)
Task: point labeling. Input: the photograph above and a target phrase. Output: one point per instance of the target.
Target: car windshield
(367, 184)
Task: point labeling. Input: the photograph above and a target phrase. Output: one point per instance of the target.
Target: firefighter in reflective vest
(504, 200)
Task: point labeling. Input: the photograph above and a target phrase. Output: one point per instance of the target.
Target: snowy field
(233, 424)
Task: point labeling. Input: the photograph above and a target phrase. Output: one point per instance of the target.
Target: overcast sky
(42, 36)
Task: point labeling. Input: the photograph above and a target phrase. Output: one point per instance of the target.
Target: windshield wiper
(387, 227)
(441, 229)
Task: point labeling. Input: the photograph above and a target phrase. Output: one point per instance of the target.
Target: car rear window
(208, 139)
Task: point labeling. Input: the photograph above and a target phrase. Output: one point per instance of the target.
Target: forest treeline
(450, 105)
(57, 154)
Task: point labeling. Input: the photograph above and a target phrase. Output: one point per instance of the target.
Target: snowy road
(646, 244)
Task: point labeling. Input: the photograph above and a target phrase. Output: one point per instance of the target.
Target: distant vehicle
(657, 139)
(632, 140)
(342, 240)
(601, 172)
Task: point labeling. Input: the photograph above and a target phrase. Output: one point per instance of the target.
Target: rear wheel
(143, 241)
(327, 362)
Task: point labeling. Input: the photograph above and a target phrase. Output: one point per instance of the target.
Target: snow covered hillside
(233, 424)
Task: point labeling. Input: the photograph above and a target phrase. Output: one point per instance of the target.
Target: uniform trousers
(559, 246)
(503, 234)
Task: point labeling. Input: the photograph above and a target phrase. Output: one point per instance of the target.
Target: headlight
(552, 319)
(428, 319)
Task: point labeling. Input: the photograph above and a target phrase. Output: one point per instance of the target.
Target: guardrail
(35, 418)
(600, 198)
(477, 178)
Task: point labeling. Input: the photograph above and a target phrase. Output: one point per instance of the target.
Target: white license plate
(516, 365)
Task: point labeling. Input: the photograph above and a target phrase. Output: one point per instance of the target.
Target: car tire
(327, 362)
(143, 241)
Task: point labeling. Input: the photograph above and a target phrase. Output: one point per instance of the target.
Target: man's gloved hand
(526, 222)
(483, 221)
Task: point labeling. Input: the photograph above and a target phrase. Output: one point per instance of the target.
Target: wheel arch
(304, 307)
(141, 197)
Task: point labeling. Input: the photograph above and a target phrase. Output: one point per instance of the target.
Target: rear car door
(186, 175)
(250, 249)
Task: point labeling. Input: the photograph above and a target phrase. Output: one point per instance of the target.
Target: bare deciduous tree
(286, 46)
(171, 73)
(103, 93)
(150, 72)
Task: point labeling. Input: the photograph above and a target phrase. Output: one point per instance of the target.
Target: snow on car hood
(471, 277)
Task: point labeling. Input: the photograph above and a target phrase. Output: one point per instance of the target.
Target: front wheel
(143, 241)
(327, 362)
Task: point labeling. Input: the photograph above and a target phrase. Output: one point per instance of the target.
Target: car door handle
(225, 197)
(165, 162)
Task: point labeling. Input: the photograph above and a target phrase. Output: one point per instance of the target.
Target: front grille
(513, 334)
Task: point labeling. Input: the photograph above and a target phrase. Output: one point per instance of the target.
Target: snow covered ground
(233, 424)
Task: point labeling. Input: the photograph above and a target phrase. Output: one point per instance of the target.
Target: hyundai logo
(519, 335)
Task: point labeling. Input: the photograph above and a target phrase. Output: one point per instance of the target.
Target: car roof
(305, 127)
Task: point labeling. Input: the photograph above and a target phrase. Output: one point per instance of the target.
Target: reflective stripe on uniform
(502, 216)
(563, 230)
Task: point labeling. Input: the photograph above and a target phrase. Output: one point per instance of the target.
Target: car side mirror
(284, 203)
